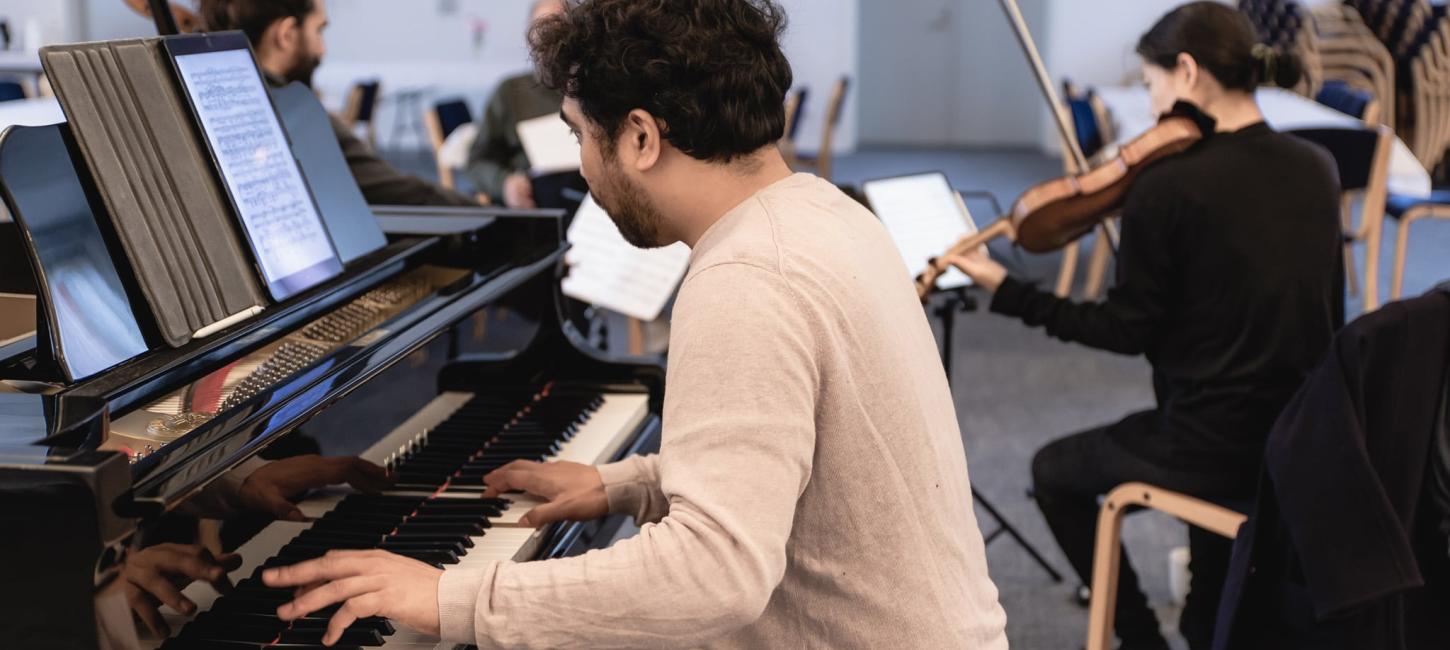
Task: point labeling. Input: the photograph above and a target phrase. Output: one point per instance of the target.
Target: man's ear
(642, 139)
(284, 35)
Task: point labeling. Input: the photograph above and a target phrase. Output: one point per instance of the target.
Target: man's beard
(302, 69)
(629, 207)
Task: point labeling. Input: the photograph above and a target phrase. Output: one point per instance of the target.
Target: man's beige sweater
(811, 488)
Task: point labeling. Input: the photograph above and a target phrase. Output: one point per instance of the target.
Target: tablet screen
(924, 216)
(278, 214)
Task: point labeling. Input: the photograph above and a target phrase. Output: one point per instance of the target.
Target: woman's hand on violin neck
(980, 267)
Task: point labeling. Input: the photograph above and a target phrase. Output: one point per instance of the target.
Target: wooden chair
(1090, 114)
(795, 104)
(440, 121)
(1408, 211)
(1106, 554)
(835, 107)
(362, 101)
(1350, 53)
(1363, 159)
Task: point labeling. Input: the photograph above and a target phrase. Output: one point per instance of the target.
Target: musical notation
(921, 212)
(256, 162)
(606, 270)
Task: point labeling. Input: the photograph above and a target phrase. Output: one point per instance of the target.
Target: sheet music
(924, 216)
(257, 165)
(549, 144)
(607, 271)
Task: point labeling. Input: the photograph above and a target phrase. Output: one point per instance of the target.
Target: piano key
(223, 620)
(463, 436)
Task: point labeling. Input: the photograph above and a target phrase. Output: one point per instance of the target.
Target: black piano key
(382, 625)
(432, 556)
(459, 517)
(406, 537)
(276, 631)
(189, 644)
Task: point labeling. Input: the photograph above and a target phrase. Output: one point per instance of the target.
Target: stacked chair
(1417, 34)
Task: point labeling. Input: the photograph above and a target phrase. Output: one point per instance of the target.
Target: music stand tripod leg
(959, 301)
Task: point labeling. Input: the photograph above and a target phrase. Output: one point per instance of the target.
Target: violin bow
(1054, 102)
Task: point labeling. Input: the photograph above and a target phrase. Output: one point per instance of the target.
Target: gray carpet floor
(1016, 389)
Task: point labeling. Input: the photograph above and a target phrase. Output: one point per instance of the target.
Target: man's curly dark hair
(711, 71)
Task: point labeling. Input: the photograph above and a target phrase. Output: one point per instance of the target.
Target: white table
(37, 111)
(1283, 110)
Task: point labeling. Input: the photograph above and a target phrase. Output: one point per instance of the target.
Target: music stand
(945, 306)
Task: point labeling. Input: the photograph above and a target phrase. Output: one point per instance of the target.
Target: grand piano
(442, 355)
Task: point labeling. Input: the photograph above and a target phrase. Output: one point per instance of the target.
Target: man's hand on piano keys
(574, 492)
(367, 583)
(271, 488)
(155, 576)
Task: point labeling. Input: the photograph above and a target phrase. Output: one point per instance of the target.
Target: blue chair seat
(1339, 96)
(1398, 204)
(11, 90)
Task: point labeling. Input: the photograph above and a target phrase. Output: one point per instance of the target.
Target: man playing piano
(811, 486)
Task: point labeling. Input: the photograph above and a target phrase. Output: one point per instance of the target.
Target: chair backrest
(838, 102)
(11, 90)
(361, 101)
(452, 114)
(1361, 154)
(1084, 119)
(1342, 97)
(834, 110)
(795, 106)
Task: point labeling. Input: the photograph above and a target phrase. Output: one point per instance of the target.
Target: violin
(1055, 213)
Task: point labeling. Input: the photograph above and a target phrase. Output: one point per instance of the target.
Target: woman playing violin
(1227, 280)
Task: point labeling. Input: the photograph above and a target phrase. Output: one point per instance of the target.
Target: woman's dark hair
(253, 17)
(1223, 42)
(711, 71)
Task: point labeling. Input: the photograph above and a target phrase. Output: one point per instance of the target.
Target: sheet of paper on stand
(607, 271)
(549, 144)
(923, 215)
(454, 152)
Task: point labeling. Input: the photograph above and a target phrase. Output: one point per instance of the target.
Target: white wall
(56, 21)
(1085, 43)
(109, 19)
(429, 45)
(946, 73)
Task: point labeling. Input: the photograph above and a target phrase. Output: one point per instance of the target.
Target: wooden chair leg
(1106, 556)
(1067, 271)
(1351, 270)
(1402, 247)
(1351, 273)
(1098, 268)
(1107, 551)
(1373, 236)
(636, 337)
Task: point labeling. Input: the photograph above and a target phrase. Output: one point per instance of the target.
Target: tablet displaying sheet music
(924, 216)
(277, 211)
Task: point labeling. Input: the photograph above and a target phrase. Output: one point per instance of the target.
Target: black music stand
(947, 305)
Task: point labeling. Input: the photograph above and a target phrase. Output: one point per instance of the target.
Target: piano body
(403, 359)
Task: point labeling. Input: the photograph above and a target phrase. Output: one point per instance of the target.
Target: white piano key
(597, 440)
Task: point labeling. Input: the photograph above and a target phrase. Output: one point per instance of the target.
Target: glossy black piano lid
(95, 326)
(172, 473)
